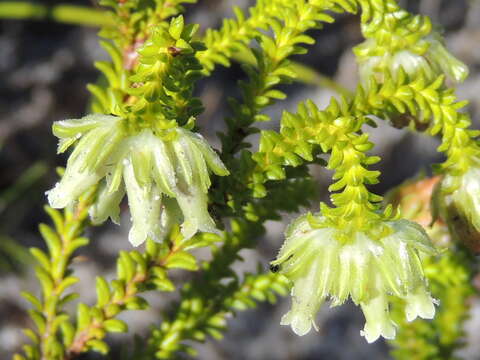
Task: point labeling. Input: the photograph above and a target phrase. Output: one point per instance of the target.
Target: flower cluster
(431, 59)
(321, 265)
(165, 178)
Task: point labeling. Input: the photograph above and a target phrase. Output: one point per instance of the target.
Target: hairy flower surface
(166, 179)
(367, 270)
(432, 60)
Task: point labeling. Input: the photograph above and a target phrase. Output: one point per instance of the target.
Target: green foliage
(55, 278)
(200, 315)
(146, 111)
(333, 130)
(208, 300)
(309, 133)
(160, 90)
(288, 26)
(167, 71)
(297, 17)
(136, 273)
(134, 24)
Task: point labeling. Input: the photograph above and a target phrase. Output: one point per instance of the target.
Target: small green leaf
(38, 319)
(163, 285)
(118, 287)
(96, 314)
(41, 257)
(136, 303)
(176, 27)
(77, 243)
(56, 216)
(182, 260)
(152, 248)
(125, 266)
(67, 298)
(32, 299)
(83, 316)
(66, 283)
(140, 260)
(68, 332)
(115, 325)
(51, 238)
(215, 333)
(112, 310)
(45, 280)
(98, 345)
(60, 319)
(32, 335)
(103, 292)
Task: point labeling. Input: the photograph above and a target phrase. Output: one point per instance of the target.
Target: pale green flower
(440, 57)
(457, 201)
(322, 266)
(193, 157)
(432, 60)
(462, 192)
(107, 205)
(99, 136)
(166, 179)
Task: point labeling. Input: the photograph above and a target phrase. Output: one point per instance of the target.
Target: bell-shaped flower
(322, 264)
(431, 60)
(457, 201)
(98, 137)
(193, 157)
(166, 179)
(142, 155)
(106, 205)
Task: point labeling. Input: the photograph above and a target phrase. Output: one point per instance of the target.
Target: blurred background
(44, 69)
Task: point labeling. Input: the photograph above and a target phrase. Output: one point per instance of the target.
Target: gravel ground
(44, 68)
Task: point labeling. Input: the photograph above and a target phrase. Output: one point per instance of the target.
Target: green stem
(62, 13)
(96, 329)
(73, 226)
(53, 273)
(206, 301)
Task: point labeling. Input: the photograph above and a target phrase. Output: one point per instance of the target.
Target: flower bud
(322, 263)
